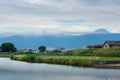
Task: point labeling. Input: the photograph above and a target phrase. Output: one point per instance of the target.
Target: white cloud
(38, 16)
(77, 29)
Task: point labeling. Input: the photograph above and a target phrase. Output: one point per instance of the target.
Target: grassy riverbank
(85, 61)
(54, 60)
(106, 52)
(8, 54)
(81, 57)
(5, 54)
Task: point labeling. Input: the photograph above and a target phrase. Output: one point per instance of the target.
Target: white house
(111, 44)
(49, 49)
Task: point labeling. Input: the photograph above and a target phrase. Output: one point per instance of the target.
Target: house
(94, 46)
(33, 51)
(25, 50)
(111, 44)
(49, 49)
(62, 49)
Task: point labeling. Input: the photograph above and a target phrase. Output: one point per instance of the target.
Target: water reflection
(15, 70)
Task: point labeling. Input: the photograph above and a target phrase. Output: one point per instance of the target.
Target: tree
(42, 48)
(8, 47)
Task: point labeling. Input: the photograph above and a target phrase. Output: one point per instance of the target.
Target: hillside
(107, 52)
(103, 31)
(69, 42)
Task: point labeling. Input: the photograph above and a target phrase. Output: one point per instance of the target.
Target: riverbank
(99, 58)
(108, 66)
(17, 70)
(81, 61)
(5, 54)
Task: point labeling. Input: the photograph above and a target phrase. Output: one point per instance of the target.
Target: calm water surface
(15, 70)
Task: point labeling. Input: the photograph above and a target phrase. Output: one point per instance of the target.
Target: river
(16, 70)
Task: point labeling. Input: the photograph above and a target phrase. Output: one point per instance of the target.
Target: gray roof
(95, 46)
(113, 43)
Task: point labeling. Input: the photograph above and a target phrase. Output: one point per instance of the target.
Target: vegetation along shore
(90, 57)
(99, 58)
(84, 61)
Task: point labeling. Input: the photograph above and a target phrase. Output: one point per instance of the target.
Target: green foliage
(42, 48)
(5, 54)
(27, 58)
(108, 52)
(85, 61)
(8, 47)
(81, 57)
(12, 56)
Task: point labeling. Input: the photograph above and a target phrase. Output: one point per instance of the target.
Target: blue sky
(40, 17)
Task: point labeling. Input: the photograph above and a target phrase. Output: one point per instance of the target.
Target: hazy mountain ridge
(103, 31)
(69, 42)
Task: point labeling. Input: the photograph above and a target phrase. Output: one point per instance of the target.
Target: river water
(15, 70)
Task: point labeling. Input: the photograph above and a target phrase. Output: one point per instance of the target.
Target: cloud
(58, 16)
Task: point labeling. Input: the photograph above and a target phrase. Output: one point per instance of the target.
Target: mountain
(69, 42)
(103, 31)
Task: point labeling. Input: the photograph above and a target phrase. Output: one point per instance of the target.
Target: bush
(109, 52)
(55, 60)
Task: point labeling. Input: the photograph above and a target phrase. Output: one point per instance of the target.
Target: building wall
(106, 45)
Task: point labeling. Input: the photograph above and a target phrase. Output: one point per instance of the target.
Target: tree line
(9, 47)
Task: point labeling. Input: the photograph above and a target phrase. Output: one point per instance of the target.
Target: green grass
(54, 60)
(109, 58)
(85, 58)
(107, 52)
(5, 54)
(85, 61)
(81, 57)
(8, 54)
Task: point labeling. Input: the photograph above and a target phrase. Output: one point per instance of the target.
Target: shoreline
(5, 56)
(99, 66)
(70, 62)
(108, 66)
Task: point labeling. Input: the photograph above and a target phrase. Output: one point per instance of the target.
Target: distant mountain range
(101, 31)
(69, 42)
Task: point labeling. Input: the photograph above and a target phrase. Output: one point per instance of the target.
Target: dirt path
(114, 66)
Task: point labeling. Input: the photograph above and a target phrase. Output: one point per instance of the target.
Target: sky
(42, 17)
